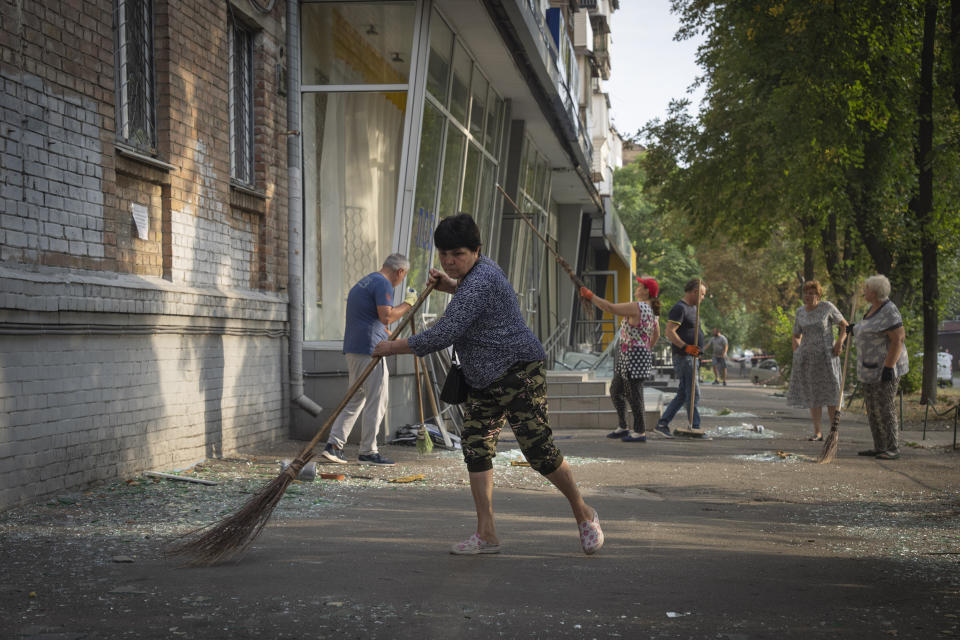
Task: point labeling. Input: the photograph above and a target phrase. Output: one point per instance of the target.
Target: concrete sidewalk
(738, 537)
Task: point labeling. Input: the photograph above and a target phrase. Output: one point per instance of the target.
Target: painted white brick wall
(106, 375)
(207, 250)
(123, 404)
(51, 196)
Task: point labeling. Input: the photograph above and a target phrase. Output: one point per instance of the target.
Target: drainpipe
(295, 214)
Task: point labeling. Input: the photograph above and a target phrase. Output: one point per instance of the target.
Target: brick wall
(128, 403)
(120, 353)
(66, 191)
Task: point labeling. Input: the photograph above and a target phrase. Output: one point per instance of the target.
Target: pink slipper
(474, 545)
(591, 535)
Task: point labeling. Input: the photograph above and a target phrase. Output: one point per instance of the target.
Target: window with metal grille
(241, 102)
(136, 113)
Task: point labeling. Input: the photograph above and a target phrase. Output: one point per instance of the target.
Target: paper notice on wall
(142, 220)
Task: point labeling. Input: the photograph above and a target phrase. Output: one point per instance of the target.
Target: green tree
(826, 123)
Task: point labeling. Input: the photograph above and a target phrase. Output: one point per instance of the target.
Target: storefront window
(491, 137)
(462, 123)
(357, 42)
(525, 253)
(425, 200)
(485, 199)
(352, 144)
(477, 105)
(471, 178)
(441, 50)
(460, 93)
(452, 171)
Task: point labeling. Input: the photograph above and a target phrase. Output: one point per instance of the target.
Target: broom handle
(433, 398)
(835, 423)
(374, 361)
(416, 367)
(696, 341)
(563, 263)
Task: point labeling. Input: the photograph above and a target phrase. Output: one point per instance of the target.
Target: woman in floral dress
(633, 360)
(815, 380)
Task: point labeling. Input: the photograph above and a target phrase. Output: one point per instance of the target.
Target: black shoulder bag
(455, 387)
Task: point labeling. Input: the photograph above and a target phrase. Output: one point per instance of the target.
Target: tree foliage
(812, 142)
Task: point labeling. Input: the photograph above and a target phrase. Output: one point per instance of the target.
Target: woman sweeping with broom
(503, 363)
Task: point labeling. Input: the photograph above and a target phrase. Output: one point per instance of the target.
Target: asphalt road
(739, 537)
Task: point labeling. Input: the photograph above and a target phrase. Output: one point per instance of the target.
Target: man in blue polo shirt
(685, 339)
(369, 310)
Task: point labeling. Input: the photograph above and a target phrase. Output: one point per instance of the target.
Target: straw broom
(832, 443)
(230, 536)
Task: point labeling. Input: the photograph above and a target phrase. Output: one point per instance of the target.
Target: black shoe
(868, 452)
(332, 454)
(375, 459)
(663, 430)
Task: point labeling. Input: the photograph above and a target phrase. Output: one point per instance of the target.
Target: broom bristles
(230, 536)
(830, 446)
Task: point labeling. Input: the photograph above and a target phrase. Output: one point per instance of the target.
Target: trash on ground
(407, 435)
(406, 479)
(170, 476)
(506, 459)
(676, 614)
(724, 412)
(742, 430)
(774, 456)
(308, 473)
(519, 463)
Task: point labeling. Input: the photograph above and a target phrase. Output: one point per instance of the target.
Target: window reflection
(357, 42)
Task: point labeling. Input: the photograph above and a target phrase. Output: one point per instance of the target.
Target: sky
(648, 68)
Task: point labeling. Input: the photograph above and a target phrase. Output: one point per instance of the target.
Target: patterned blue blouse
(484, 325)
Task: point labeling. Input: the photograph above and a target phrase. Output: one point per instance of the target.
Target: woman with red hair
(633, 359)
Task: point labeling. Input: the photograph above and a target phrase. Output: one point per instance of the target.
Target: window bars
(241, 102)
(136, 113)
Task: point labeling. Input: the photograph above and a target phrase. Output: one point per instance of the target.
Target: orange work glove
(692, 350)
(586, 294)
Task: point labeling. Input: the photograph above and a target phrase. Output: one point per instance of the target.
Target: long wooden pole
(416, 368)
(563, 263)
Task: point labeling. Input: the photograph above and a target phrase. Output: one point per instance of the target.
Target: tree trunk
(955, 48)
(808, 265)
(837, 258)
(863, 186)
(923, 211)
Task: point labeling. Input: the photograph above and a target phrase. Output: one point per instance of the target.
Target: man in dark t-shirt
(685, 339)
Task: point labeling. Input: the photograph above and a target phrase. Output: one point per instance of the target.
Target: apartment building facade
(190, 188)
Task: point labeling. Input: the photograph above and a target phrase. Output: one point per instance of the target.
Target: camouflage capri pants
(519, 397)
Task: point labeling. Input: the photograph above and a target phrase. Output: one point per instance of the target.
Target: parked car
(767, 371)
(944, 368)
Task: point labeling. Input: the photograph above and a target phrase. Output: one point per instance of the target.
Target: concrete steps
(577, 401)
